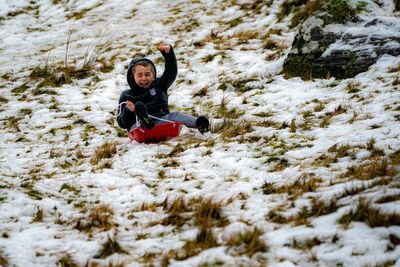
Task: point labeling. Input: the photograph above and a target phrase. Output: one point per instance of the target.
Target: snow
(48, 140)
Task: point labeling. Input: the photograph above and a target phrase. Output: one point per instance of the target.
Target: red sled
(160, 132)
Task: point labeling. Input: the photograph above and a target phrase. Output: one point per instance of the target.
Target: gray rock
(323, 48)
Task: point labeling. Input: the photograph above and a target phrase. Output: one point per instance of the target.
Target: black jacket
(155, 97)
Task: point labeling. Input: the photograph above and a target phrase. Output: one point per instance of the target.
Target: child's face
(143, 76)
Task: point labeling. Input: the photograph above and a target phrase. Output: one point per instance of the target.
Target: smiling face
(143, 75)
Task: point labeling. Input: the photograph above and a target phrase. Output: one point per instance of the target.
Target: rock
(324, 48)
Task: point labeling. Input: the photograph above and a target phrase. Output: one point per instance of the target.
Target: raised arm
(171, 68)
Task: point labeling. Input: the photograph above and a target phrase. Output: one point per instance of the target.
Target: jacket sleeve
(125, 118)
(170, 72)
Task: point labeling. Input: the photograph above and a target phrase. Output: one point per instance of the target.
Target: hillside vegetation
(293, 172)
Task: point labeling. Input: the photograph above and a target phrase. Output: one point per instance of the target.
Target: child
(147, 98)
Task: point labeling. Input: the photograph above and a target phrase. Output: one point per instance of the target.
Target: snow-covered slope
(293, 173)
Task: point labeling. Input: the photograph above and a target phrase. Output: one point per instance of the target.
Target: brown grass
(329, 115)
(353, 87)
(101, 216)
(341, 151)
(375, 168)
(301, 217)
(394, 241)
(302, 185)
(373, 216)
(388, 198)
(248, 243)
(306, 244)
(105, 151)
(205, 239)
(395, 158)
(243, 37)
(146, 207)
(325, 160)
(3, 259)
(209, 213)
(223, 110)
(375, 152)
(275, 217)
(352, 190)
(320, 207)
(230, 129)
(111, 246)
(177, 150)
(162, 174)
(176, 206)
(173, 163)
(175, 210)
(66, 261)
(38, 216)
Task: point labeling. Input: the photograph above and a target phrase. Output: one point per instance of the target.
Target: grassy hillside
(293, 172)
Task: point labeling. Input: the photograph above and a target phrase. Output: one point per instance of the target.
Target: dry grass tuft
(248, 243)
(175, 210)
(105, 151)
(301, 185)
(320, 207)
(3, 100)
(301, 217)
(388, 198)
(66, 261)
(375, 152)
(55, 75)
(13, 123)
(175, 219)
(244, 37)
(38, 216)
(110, 247)
(205, 239)
(101, 216)
(176, 206)
(301, 9)
(329, 115)
(375, 168)
(395, 158)
(306, 244)
(341, 151)
(223, 110)
(240, 85)
(373, 216)
(293, 126)
(201, 93)
(173, 163)
(275, 217)
(353, 87)
(209, 213)
(147, 207)
(3, 259)
(230, 129)
(394, 242)
(352, 190)
(176, 151)
(162, 174)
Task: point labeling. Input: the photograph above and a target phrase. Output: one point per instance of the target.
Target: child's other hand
(164, 48)
(130, 106)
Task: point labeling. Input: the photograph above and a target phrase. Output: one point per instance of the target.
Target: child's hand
(164, 48)
(130, 106)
